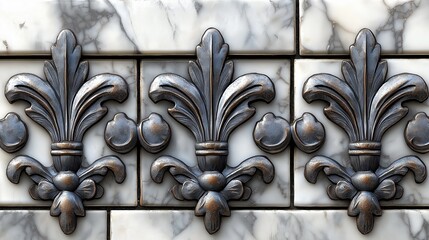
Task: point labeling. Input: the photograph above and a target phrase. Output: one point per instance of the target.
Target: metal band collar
(211, 148)
(67, 148)
(365, 148)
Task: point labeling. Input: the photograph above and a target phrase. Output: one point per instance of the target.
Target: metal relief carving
(66, 104)
(272, 134)
(13, 133)
(308, 133)
(417, 133)
(365, 105)
(211, 105)
(154, 133)
(122, 134)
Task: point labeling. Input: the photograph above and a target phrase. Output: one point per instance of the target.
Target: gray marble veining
(159, 26)
(38, 225)
(268, 224)
(329, 26)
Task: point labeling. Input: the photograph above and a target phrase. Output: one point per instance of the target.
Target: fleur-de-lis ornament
(365, 105)
(66, 104)
(211, 105)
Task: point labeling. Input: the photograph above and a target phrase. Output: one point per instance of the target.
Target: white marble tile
(39, 142)
(273, 224)
(330, 26)
(336, 144)
(37, 224)
(241, 144)
(158, 26)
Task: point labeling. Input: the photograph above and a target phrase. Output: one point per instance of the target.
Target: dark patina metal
(66, 104)
(417, 133)
(272, 134)
(365, 105)
(13, 133)
(122, 134)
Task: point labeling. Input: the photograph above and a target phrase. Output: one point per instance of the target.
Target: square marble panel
(330, 26)
(336, 143)
(39, 142)
(36, 224)
(273, 224)
(150, 27)
(241, 144)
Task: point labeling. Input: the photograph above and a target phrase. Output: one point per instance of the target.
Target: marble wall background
(286, 40)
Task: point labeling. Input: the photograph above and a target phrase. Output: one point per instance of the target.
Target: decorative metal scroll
(66, 104)
(211, 105)
(365, 105)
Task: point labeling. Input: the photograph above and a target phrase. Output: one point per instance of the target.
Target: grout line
(297, 34)
(108, 225)
(292, 108)
(231, 56)
(179, 208)
(138, 79)
(292, 145)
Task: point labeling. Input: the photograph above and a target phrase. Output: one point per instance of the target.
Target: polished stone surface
(330, 26)
(268, 224)
(150, 27)
(38, 224)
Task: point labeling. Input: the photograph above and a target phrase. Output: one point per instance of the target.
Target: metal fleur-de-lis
(211, 106)
(365, 105)
(66, 104)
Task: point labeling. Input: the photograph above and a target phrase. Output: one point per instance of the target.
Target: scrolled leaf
(189, 108)
(246, 169)
(332, 169)
(343, 109)
(396, 170)
(45, 108)
(386, 107)
(178, 169)
(32, 168)
(233, 107)
(86, 107)
(101, 167)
